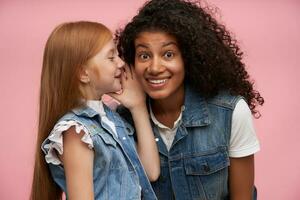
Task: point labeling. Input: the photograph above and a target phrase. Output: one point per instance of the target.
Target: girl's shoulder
(85, 116)
(53, 144)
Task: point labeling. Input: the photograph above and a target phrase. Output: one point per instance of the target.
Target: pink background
(268, 31)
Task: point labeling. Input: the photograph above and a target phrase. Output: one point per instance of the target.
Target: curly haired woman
(200, 100)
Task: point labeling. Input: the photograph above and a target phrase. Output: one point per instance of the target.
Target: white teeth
(157, 81)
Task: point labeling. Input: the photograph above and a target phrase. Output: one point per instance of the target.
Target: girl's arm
(78, 160)
(146, 145)
(133, 98)
(241, 178)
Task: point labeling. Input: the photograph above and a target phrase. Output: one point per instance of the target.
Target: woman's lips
(157, 83)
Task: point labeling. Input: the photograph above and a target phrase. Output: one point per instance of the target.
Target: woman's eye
(144, 56)
(169, 54)
(111, 58)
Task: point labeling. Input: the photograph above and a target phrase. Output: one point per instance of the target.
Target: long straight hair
(68, 48)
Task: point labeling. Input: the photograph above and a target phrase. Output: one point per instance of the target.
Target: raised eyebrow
(141, 46)
(170, 43)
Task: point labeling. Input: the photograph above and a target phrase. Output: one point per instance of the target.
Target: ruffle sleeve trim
(54, 142)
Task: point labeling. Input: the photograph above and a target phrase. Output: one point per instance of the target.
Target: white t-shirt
(243, 140)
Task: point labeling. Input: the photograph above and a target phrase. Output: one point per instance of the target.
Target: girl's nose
(120, 62)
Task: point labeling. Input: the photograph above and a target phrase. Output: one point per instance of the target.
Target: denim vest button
(182, 108)
(127, 129)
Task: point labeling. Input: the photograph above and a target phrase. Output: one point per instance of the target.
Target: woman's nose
(155, 66)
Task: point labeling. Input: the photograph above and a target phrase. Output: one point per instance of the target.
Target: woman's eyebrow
(142, 46)
(169, 43)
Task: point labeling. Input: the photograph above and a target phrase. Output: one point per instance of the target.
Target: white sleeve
(54, 142)
(243, 140)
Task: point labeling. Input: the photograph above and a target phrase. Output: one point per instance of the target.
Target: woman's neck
(167, 110)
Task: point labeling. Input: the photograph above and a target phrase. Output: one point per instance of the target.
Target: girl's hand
(132, 95)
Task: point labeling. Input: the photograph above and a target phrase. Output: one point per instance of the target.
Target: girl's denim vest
(196, 167)
(118, 173)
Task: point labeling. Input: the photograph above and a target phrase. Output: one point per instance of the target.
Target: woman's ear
(84, 75)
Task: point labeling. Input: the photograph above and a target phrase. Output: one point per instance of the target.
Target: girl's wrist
(138, 108)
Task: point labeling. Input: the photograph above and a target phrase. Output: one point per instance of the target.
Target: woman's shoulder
(225, 99)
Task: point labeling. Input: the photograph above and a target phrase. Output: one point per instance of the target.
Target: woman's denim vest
(118, 173)
(196, 167)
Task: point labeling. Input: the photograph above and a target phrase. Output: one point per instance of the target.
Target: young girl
(88, 152)
(200, 100)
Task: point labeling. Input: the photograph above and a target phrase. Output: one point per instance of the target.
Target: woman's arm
(243, 145)
(133, 98)
(78, 160)
(241, 178)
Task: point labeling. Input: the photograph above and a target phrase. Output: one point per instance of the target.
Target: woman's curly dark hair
(212, 58)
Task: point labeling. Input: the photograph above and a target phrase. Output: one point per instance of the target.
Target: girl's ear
(84, 75)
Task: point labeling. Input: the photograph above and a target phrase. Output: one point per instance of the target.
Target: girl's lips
(118, 75)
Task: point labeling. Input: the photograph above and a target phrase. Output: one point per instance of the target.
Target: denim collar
(86, 111)
(195, 111)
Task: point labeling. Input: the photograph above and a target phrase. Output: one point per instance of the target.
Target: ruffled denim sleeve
(54, 142)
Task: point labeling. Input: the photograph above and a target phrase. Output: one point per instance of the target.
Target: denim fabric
(118, 173)
(196, 167)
